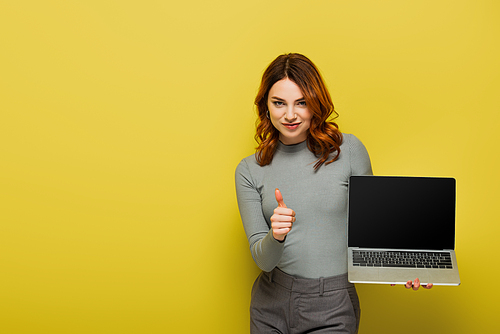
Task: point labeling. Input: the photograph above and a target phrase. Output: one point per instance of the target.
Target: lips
(291, 126)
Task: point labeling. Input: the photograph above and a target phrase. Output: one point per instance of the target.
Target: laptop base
(381, 275)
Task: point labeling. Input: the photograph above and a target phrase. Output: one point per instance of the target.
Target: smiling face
(288, 112)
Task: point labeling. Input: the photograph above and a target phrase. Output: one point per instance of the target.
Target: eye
(278, 103)
(302, 104)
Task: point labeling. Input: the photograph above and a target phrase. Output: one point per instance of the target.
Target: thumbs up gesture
(282, 219)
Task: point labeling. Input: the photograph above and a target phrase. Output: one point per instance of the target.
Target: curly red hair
(324, 137)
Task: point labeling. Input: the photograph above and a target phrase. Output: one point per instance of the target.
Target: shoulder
(246, 163)
(352, 143)
(247, 168)
(349, 139)
(359, 159)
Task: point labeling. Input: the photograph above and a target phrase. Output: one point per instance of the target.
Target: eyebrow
(280, 99)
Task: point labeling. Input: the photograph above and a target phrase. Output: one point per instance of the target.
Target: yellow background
(121, 124)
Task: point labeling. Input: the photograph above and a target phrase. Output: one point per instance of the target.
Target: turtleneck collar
(292, 148)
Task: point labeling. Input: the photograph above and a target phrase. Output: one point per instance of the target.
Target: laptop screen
(401, 212)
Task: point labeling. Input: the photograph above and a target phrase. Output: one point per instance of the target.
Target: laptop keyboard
(393, 259)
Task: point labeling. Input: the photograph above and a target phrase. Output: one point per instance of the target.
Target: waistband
(308, 285)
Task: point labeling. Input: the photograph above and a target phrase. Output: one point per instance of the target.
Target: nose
(290, 114)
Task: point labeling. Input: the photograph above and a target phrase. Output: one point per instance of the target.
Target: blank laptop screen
(401, 212)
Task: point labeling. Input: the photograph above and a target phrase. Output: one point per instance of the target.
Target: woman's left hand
(415, 285)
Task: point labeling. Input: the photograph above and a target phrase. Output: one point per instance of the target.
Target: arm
(361, 165)
(266, 250)
(359, 159)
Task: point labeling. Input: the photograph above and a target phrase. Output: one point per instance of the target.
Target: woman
(292, 196)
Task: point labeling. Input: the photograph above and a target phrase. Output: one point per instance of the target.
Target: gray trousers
(284, 304)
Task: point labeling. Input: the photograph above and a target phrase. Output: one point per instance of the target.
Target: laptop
(402, 228)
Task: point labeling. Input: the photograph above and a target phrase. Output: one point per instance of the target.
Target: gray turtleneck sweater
(317, 245)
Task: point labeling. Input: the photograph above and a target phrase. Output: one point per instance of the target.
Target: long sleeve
(317, 244)
(358, 157)
(266, 251)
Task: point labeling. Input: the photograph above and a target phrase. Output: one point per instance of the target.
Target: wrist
(278, 240)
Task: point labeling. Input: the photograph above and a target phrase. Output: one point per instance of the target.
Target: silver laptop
(400, 229)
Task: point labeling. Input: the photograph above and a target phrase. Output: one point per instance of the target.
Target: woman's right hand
(282, 219)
